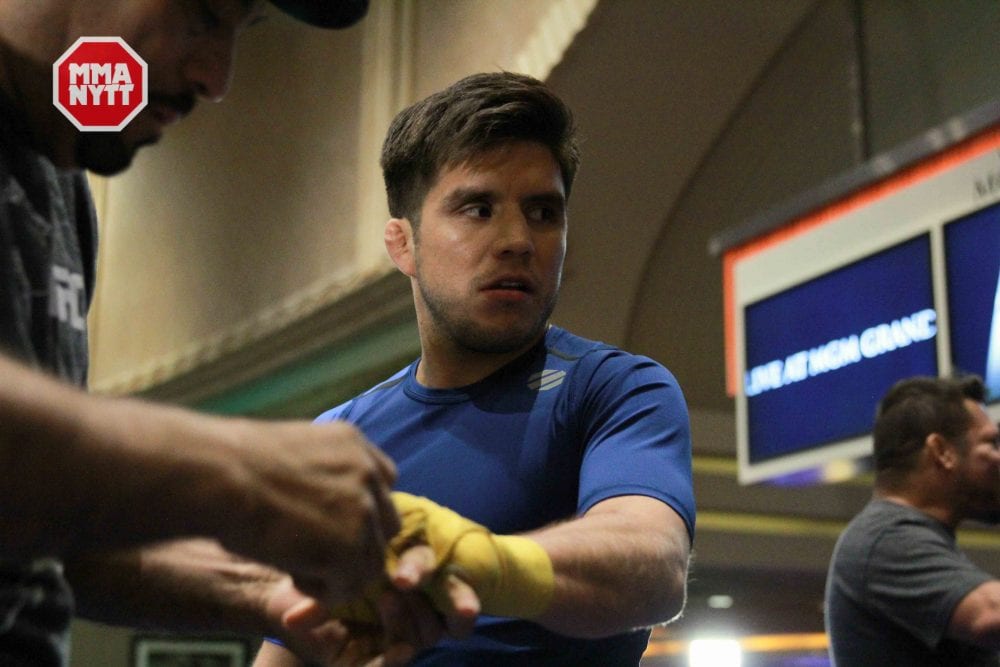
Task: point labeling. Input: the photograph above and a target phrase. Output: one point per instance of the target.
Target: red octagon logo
(100, 84)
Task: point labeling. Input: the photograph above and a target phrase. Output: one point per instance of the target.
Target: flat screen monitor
(972, 261)
(836, 343)
(894, 274)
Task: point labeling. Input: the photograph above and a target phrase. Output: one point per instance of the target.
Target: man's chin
(107, 153)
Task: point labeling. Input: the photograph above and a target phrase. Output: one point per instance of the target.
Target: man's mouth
(168, 109)
(165, 116)
(511, 285)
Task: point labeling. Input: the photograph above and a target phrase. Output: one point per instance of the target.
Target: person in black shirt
(89, 483)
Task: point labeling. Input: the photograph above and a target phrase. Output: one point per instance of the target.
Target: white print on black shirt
(67, 298)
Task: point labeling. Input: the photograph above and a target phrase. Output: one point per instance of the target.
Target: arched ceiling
(654, 85)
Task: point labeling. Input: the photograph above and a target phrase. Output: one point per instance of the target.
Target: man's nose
(514, 235)
(210, 68)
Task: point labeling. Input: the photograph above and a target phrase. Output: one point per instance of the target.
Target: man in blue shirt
(568, 459)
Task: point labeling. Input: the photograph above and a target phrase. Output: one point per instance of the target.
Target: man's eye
(478, 211)
(543, 214)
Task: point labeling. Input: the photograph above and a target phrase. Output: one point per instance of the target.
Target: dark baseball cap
(324, 13)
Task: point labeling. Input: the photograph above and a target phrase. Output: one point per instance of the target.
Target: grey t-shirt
(47, 245)
(895, 578)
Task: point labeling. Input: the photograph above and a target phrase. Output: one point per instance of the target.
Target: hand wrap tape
(512, 575)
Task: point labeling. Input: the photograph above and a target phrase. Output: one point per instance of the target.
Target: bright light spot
(715, 653)
(840, 471)
(720, 601)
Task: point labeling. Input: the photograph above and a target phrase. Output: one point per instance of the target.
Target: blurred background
(243, 271)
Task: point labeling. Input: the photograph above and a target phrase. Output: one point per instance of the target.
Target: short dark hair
(473, 115)
(916, 407)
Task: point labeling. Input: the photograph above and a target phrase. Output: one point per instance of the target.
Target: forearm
(621, 566)
(182, 586)
(976, 618)
(197, 586)
(76, 467)
(80, 473)
(31, 436)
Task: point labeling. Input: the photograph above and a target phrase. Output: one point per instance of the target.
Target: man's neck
(935, 509)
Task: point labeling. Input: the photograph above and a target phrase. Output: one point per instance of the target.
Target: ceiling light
(714, 653)
(720, 601)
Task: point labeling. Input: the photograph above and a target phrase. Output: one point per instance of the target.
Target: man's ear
(942, 451)
(399, 243)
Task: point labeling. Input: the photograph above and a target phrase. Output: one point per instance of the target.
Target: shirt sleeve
(637, 436)
(335, 414)
(916, 578)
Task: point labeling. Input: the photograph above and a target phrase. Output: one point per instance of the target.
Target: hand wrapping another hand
(512, 575)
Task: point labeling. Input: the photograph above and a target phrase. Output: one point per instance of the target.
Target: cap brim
(324, 13)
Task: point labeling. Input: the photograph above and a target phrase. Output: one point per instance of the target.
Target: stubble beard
(982, 496)
(104, 153)
(467, 334)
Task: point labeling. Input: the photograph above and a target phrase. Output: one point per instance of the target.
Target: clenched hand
(316, 504)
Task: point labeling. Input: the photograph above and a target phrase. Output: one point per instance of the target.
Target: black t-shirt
(47, 249)
(48, 231)
(895, 578)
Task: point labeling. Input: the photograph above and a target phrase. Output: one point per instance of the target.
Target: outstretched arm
(620, 566)
(184, 586)
(81, 472)
(197, 586)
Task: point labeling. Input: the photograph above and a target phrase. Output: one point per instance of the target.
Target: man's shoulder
(564, 343)
(891, 529)
(880, 511)
(876, 515)
(595, 363)
(374, 395)
(569, 346)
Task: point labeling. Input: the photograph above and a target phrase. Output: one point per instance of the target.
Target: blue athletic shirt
(568, 424)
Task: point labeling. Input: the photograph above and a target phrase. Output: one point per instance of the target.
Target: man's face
(188, 46)
(489, 248)
(979, 470)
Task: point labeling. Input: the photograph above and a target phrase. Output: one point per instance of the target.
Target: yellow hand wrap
(511, 575)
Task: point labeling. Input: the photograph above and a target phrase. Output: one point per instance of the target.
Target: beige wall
(257, 211)
(455, 38)
(243, 204)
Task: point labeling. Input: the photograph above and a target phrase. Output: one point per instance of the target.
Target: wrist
(524, 580)
(512, 575)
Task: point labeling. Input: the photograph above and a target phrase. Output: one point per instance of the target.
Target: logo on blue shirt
(547, 379)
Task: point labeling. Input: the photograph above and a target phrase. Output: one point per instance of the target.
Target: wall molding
(552, 36)
(329, 314)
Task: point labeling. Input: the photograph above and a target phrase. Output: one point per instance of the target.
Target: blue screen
(972, 256)
(820, 355)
